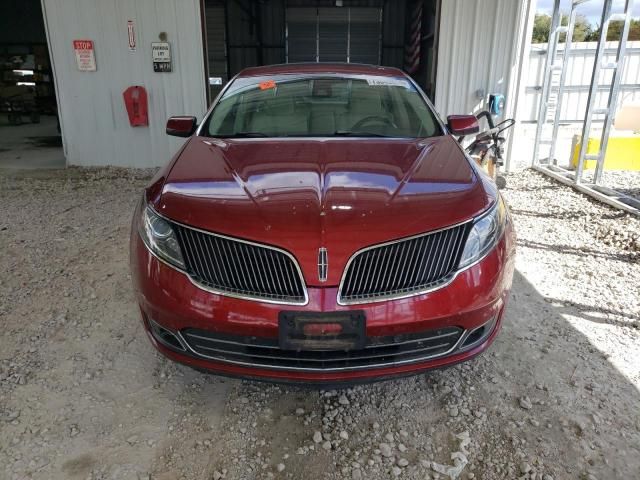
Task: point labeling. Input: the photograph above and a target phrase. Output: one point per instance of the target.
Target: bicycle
(487, 150)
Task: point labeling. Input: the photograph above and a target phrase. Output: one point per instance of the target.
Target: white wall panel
(94, 120)
(477, 50)
(578, 79)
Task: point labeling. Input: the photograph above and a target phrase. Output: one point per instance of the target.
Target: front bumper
(170, 302)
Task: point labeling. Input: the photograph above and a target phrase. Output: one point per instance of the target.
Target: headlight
(484, 234)
(159, 237)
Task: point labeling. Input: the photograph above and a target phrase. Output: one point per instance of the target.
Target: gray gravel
(84, 396)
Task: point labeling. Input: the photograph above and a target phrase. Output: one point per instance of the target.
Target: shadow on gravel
(542, 399)
(566, 215)
(534, 188)
(595, 314)
(582, 252)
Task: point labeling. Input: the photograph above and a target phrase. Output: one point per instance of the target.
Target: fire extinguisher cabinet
(135, 101)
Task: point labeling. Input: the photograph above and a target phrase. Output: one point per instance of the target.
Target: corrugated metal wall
(393, 33)
(334, 34)
(477, 51)
(255, 34)
(216, 44)
(302, 34)
(95, 125)
(256, 31)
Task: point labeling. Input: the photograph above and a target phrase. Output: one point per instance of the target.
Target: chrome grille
(241, 268)
(384, 351)
(403, 267)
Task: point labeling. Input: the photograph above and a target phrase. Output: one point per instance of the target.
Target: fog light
(479, 334)
(166, 337)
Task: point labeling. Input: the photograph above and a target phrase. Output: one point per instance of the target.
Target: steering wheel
(370, 119)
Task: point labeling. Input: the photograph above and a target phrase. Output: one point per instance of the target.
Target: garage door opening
(352, 35)
(247, 33)
(29, 128)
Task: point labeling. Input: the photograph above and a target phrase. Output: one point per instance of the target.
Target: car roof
(345, 68)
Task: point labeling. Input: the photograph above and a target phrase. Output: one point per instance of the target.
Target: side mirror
(181, 126)
(463, 124)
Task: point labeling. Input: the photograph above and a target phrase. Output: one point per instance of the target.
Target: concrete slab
(31, 145)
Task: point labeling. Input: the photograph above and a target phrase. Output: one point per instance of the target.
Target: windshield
(322, 106)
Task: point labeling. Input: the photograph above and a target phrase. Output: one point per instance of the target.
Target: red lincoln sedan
(321, 225)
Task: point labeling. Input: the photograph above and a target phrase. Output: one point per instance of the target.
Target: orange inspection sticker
(267, 84)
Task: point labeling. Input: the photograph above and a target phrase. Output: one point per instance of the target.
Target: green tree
(541, 27)
(582, 30)
(615, 30)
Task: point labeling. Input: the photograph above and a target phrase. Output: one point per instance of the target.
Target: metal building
(94, 123)
(459, 51)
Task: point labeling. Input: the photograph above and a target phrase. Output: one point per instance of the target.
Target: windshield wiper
(349, 133)
(244, 135)
(337, 133)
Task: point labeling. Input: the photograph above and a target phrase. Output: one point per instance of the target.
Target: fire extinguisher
(135, 101)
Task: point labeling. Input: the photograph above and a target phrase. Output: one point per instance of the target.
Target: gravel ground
(83, 395)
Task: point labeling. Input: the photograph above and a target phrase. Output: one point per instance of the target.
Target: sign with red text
(85, 55)
(132, 35)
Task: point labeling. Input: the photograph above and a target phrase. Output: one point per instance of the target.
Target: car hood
(302, 194)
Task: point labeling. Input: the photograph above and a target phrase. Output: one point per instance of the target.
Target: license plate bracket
(342, 331)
